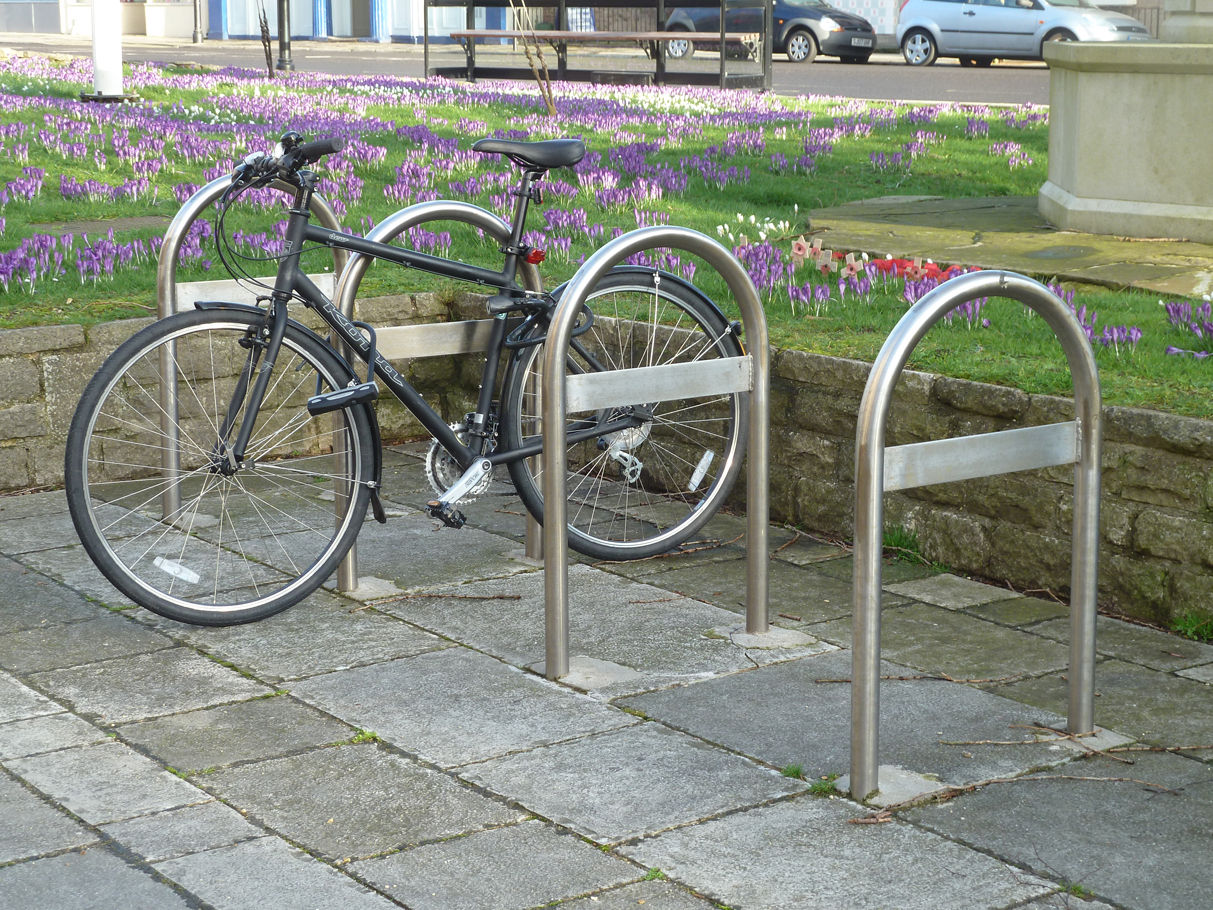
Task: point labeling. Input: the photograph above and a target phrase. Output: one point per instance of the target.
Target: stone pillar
(1188, 22)
(1129, 139)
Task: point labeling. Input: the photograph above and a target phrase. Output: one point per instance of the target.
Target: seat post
(526, 191)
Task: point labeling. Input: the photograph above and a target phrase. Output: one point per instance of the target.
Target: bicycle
(241, 497)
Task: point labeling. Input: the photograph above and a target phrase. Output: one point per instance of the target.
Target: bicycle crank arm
(444, 509)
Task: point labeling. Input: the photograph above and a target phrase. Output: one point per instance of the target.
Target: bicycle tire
(238, 546)
(642, 491)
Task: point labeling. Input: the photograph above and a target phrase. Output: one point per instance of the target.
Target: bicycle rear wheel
(199, 541)
(641, 491)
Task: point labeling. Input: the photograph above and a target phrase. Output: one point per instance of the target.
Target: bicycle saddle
(547, 154)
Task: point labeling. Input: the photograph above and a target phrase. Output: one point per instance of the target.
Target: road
(887, 77)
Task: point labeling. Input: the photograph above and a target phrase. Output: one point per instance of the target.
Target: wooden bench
(652, 42)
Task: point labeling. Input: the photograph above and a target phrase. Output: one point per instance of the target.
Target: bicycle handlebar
(290, 157)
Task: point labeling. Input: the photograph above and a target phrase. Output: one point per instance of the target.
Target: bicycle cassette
(441, 470)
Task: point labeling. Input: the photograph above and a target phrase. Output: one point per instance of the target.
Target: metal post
(555, 398)
(284, 36)
(197, 21)
(878, 469)
(347, 289)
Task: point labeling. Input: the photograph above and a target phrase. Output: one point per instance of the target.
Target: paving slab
(802, 854)
(1020, 611)
(892, 571)
(413, 554)
(793, 589)
(178, 832)
(1147, 705)
(32, 505)
(106, 783)
(1153, 852)
(31, 599)
(643, 779)
(1203, 673)
(51, 529)
(49, 647)
(659, 895)
(246, 731)
(268, 873)
(92, 878)
(323, 633)
(782, 716)
(46, 733)
(358, 801)
(18, 701)
(147, 685)
(510, 868)
(663, 638)
(1137, 644)
(950, 591)
(32, 826)
(71, 566)
(938, 640)
(462, 706)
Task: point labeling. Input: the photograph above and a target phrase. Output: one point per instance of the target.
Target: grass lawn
(87, 190)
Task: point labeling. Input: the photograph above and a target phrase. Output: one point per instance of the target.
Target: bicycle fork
(258, 370)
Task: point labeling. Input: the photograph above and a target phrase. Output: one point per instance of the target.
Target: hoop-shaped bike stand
(434, 339)
(591, 391)
(166, 305)
(878, 469)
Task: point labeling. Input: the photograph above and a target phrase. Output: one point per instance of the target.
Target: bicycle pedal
(342, 398)
(447, 514)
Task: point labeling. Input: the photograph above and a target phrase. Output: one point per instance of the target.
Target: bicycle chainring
(441, 470)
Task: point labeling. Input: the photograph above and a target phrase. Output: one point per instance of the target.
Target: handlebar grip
(314, 151)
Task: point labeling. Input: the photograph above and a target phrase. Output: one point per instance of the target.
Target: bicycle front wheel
(159, 507)
(642, 490)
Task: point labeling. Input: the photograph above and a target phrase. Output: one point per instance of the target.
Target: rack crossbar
(668, 382)
(921, 464)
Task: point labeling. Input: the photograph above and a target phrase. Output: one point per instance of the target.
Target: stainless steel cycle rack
(595, 390)
(903, 467)
(432, 339)
(166, 305)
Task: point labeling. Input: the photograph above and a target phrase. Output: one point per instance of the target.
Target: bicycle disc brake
(441, 470)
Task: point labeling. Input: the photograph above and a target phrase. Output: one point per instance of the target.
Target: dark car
(802, 29)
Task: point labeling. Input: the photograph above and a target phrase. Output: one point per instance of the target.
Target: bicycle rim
(640, 491)
(197, 541)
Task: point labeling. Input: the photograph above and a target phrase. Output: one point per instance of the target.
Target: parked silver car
(978, 31)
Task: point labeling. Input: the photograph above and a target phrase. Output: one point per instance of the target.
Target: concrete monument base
(1129, 141)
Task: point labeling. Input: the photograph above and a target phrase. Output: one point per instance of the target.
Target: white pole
(107, 49)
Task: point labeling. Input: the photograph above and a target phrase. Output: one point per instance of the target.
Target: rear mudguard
(350, 375)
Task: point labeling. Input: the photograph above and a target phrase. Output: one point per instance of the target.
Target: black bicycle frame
(291, 281)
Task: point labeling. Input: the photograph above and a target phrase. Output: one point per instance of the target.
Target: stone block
(1155, 477)
(1174, 537)
(20, 379)
(105, 337)
(106, 878)
(40, 338)
(1159, 430)
(981, 398)
(23, 421)
(1028, 559)
(15, 471)
(1137, 587)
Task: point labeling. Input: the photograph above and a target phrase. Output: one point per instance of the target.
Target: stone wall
(1156, 558)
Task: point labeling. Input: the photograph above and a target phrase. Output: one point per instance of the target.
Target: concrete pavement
(404, 752)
